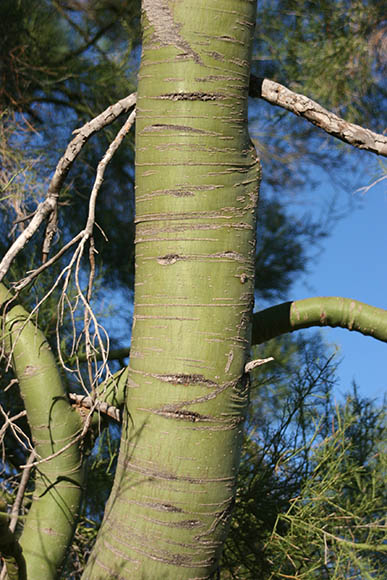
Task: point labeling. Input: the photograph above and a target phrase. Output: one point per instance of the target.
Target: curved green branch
(50, 522)
(320, 311)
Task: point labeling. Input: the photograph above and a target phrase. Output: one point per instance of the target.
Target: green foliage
(331, 50)
(31, 48)
(312, 506)
(53, 52)
(61, 65)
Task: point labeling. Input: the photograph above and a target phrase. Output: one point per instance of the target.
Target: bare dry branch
(17, 432)
(34, 273)
(86, 402)
(20, 492)
(276, 94)
(48, 206)
(257, 363)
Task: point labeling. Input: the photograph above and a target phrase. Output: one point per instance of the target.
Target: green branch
(320, 311)
(51, 519)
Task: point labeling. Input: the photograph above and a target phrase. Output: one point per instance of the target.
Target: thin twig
(20, 492)
(88, 315)
(34, 273)
(49, 204)
(16, 430)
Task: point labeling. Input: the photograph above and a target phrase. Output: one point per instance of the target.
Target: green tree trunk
(49, 525)
(197, 185)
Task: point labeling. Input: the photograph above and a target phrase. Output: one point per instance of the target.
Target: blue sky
(353, 263)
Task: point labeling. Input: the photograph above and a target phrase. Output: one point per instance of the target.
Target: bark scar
(166, 30)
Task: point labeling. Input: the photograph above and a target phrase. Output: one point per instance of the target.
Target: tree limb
(86, 402)
(320, 311)
(48, 206)
(276, 94)
(110, 395)
(54, 426)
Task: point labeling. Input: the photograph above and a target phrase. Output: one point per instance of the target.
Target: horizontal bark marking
(242, 304)
(245, 167)
(186, 379)
(135, 541)
(223, 38)
(185, 239)
(231, 255)
(184, 524)
(192, 96)
(178, 191)
(153, 229)
(222, 422)
(157, 127)
(186, 561)
(180, 414)
(246, 24)
(161, 317)
(220, 77)
(169, 259)
(193, 148)
(223, 425)
(214, 54)
(226, 38)
(182, 132)
(226, 213)
(159, 506)
(165, 475)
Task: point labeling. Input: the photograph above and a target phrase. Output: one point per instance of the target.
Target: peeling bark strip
(166, 31)
(355, 135)
(196, 193)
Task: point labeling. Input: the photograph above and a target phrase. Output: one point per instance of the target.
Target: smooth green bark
(197, 183)
(51, 519)
(333, 311)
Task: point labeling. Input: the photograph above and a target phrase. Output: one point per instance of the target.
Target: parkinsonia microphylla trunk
(196, 194)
